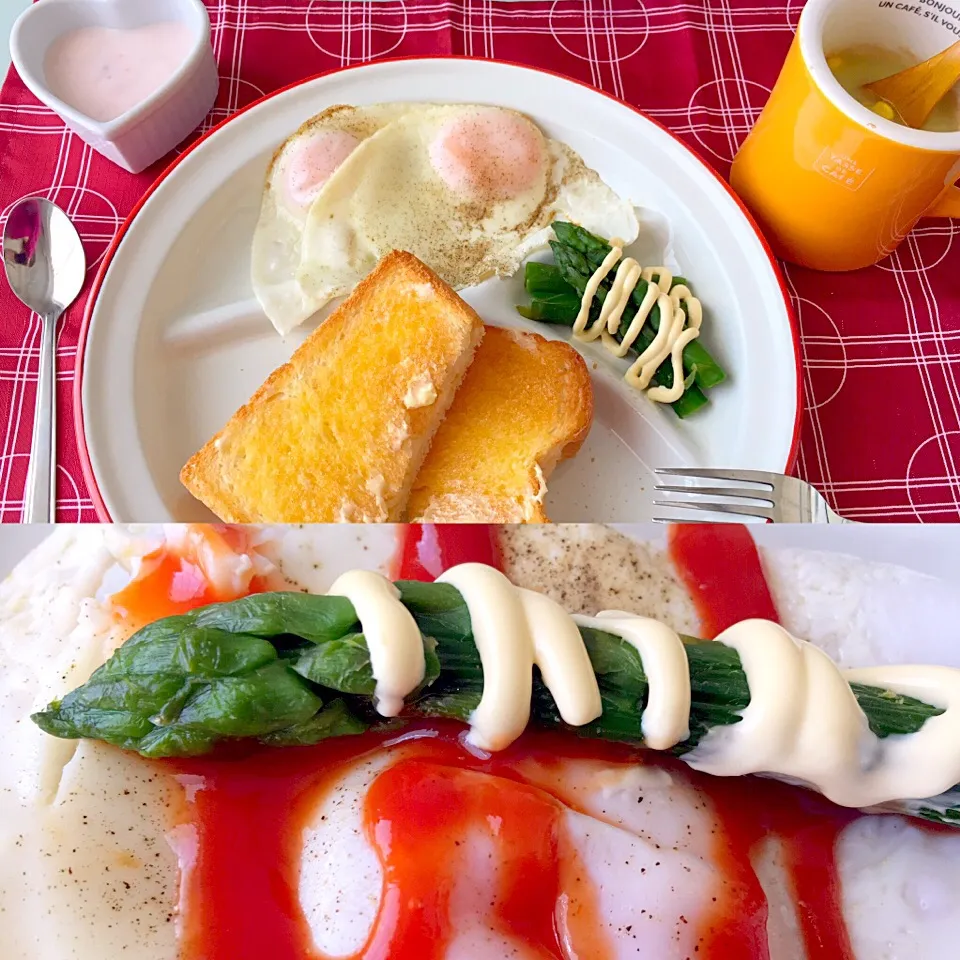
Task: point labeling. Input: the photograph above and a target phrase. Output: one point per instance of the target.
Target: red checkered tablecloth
(881, 347)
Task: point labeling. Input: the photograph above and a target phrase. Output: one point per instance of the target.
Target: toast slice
(526, 403)
(339, 432)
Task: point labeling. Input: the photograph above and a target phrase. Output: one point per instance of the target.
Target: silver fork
(768, 496)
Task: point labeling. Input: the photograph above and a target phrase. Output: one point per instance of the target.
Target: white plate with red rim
(173, 341)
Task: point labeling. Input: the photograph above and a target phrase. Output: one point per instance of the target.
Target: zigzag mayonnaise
(803, 722)
(676, 329)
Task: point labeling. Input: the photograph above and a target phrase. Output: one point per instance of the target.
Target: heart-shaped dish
(151, 128)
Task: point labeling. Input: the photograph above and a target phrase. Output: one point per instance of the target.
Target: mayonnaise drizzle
(929, 758)
(392, 635)
(802, 723)
(514, 629)
(676, 329)
(666, 719)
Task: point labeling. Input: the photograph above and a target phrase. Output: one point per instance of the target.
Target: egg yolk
(311, 161)
(489, 155)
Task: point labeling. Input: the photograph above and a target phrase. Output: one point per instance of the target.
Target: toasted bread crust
(525, 405)
(313, 444)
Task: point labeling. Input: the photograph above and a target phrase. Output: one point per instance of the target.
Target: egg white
(656, 854)
(275, 256)
(89, 836)
(85, 870)
(386, 195)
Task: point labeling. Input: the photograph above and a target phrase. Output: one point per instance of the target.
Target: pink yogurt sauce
(103, 73)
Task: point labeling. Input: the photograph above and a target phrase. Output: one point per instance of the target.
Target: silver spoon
(46, 266)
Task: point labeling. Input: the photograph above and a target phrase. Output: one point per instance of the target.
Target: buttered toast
(340, 432)
(526, 403)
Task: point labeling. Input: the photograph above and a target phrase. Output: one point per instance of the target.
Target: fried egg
(656, 853)
(469, 190)
(93, 846)
(295, 177)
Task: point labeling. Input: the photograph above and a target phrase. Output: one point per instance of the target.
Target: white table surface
(9, 11)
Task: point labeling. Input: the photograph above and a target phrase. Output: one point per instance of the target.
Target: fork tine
(765, 513)
(710, 473)
(738, 492)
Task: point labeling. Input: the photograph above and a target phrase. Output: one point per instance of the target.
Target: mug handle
(946, 205)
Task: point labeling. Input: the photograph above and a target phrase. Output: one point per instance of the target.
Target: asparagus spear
(293, 669)
(592, 250)
(556, 301)
(588, 256)
(556, 291)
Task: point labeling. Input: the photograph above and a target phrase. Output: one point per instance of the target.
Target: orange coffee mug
(834, 185)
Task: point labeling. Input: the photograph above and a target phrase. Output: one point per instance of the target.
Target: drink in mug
(836, 183)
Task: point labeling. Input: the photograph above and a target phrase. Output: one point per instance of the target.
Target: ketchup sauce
(426, 550)
(720, 566)
(240, 894)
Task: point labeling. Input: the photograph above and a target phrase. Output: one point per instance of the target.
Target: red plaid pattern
(881, 432)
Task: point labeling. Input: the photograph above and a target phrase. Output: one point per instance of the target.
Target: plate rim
(86, 464)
